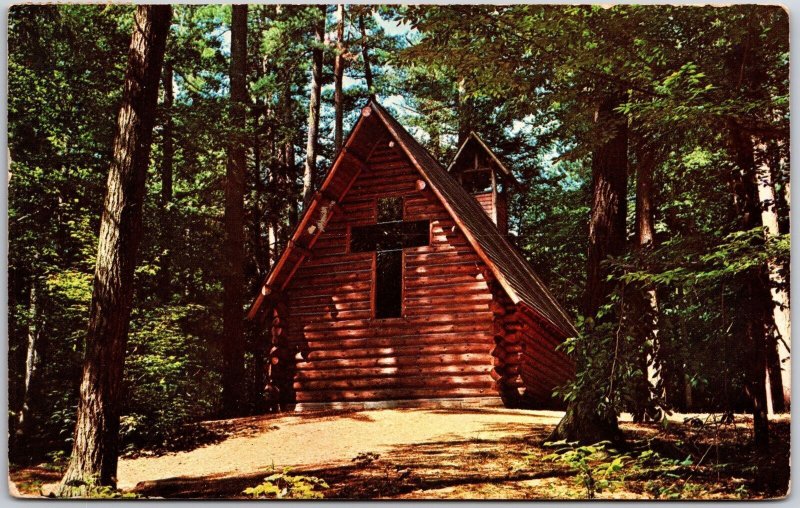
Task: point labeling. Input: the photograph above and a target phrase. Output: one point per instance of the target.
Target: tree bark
(233, 381)
(94, 453)
(464, 110)
(781, 382)
(310, 171)
(365, 56)
(164, 275)
(338, 71)
(32, 360)
(584, 420)
(646, 308)
(751, 322)
(259, 256)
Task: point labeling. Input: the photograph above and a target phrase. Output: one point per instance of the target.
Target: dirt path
(328, 439)
(446, 453)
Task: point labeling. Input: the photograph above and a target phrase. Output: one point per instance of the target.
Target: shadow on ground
(510, 467)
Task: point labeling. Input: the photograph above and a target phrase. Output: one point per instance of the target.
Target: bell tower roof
(474, 154)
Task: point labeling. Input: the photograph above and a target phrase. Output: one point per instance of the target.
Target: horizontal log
(306, 277)
(394, 359)
(322, 289)
(543, 368)
(420, 257)
(379, 164)
(537, 383)
(456, 268)
(400, 324)
(379, 191)
(385, 178)
(505, 355)
(391, 394)
(476, 298)
(322, 298)
(457, 250)
(414, 309)
(330, 304)
(448, 289)
(538, 329)
(357, 338)
(430, 381)
(360, 260)
(391, 372)
(442, 278)
(534, 342)
(377, 353)
(330, 251)
(323, 316)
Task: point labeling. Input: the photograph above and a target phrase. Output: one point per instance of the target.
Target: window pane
(477, 181)
(390, 236)
(390, 209)
(389, 284)
(416, 233)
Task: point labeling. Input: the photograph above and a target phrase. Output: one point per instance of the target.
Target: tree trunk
(32, 360)
(338, 71)
(164, 275)
(94, 453)
(310, 171)
(464, 111)
(750, 323)
(584, 420)
(272, 237)
(646, 308)
(365, 56)
(233, 387)
(260, 252)
(778, 284)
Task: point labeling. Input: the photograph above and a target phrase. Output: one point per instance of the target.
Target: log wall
(442, 345)
(542, 367)
(489, 202)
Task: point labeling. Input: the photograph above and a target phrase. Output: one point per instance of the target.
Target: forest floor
(480, 453)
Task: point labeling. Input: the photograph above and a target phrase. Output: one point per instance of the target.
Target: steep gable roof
(475, 142)
(509, 267)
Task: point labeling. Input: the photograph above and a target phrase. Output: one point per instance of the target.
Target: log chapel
(400, 285)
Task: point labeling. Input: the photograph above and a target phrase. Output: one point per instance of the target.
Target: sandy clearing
(315, 439)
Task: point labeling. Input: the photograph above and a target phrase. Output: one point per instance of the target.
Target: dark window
(390, 209)
(477, 181)
(389, 284)
(388, 238)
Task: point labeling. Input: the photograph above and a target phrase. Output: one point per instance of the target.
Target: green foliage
(598, 467)
(526, 77)
(167, 377)
(89, 489)
(286, 486)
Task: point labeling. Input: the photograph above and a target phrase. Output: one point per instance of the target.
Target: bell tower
(483, 175)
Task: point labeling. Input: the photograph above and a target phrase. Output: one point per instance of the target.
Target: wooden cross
(388, 237)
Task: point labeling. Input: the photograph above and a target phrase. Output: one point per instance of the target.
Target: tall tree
(95, 448)
(644, 311)
(751, 323)
(590, 418)
(781, 381)
(365, 56)
(338, 71)
(233, 345)
(168, 154)
(310, 170)
(32, 360)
